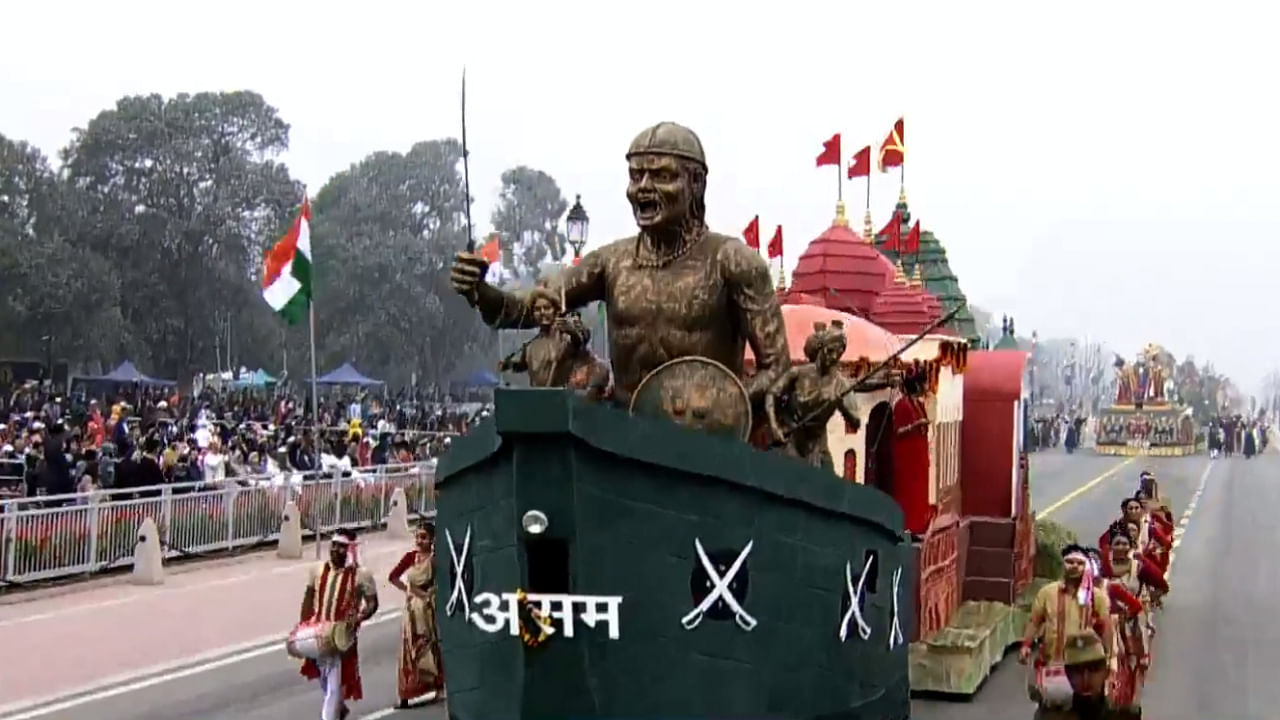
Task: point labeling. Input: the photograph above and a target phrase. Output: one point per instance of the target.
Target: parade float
(668, 554)
(1144, 419)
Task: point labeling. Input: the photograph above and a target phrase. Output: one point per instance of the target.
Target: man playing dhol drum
(340, 592)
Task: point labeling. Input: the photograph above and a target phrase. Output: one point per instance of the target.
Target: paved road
(1212, 655)
(264, 685)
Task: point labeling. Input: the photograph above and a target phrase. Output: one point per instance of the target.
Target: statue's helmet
(668, 138)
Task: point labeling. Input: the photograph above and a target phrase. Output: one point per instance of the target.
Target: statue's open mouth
(648, 208)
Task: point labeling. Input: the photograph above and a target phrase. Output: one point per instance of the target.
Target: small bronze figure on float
(802, 401)
(539, 356)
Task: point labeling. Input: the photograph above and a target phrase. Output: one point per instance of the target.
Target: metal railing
(60, 536)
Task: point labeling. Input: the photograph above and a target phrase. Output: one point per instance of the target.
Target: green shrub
(1051, 537)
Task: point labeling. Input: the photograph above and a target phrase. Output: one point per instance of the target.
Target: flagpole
(868, 208)
(315, 393)
(840, 181)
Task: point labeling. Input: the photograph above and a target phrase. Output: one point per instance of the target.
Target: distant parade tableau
(1146, 418)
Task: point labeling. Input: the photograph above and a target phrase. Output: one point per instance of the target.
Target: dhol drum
(1049, 687)
(312, 640)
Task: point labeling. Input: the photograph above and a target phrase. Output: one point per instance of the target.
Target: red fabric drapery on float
(911, 464)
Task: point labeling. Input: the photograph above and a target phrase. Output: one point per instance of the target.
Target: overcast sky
(1093, 168)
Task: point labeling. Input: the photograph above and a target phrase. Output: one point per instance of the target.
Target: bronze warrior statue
(673, 290)
(807, 396)
(539, 356)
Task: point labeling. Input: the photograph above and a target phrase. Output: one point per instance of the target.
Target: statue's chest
(541, 355)
(811, 389)
(687, 293)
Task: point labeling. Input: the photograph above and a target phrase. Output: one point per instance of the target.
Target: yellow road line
(1082, 489)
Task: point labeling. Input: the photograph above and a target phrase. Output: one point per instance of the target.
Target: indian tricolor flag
(286, 276)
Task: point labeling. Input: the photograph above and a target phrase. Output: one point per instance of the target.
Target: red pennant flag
(492, 250)
(775, 244)
(912, 243)
(830, 154)
(892, 234)
(860, 165)
(752, 234)
(893, 151)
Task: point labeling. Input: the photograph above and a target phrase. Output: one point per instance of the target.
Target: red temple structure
(963, 490)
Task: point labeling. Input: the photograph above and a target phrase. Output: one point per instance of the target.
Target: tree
(184, 195)
(385, 232)
(52, 288)
(527, 217)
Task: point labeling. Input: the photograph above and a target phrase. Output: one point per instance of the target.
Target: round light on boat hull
(535, 522)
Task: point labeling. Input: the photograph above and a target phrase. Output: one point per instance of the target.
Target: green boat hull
(631, 504)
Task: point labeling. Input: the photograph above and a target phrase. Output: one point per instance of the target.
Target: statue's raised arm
(576, 286)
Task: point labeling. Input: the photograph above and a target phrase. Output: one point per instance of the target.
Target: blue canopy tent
(347, 375)
(482, 378)
(127, 372)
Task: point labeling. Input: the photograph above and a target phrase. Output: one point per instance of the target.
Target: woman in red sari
(421, 672)
(1131, 650)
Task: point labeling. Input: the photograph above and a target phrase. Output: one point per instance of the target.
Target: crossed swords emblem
(854, 613)
(460, 590)
(896, 637)
(720, 590)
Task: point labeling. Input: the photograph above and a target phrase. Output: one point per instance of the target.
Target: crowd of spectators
(55, 443)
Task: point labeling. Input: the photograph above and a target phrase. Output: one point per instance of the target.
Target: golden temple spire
(917, 280)
(899, 274)
(841, 220)
(902, 196)
(868, 230)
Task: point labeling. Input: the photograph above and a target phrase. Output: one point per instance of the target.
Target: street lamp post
(576, 224)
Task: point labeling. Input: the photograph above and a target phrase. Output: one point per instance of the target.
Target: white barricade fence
(61, 536)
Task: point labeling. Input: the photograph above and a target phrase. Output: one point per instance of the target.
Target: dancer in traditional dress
(1131, 644)
(421, 673)
(1061, 609)
(1123, 601)
(339, 591)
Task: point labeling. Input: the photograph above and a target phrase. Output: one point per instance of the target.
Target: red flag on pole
(893, 151)
(860, 165)
(892, 234)
(752, 234)
(775, 244)
(830, 154)
(491, 251)
(912, 242)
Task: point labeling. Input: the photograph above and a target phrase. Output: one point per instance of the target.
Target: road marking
(414, 704)
(112, 688)
(1082, 489)
(74, 609)
(1185, 521)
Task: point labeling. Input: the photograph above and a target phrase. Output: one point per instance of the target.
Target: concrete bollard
(148, 555)
(290, 546)
(398, 515)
